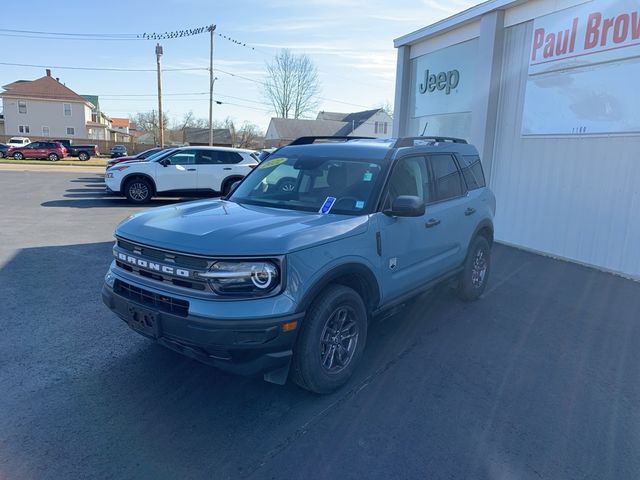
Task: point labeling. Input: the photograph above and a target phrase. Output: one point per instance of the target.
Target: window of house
(381, 127)
(45, 131)
(71, 131)
(67, 109)
(22, 106)
(447, 177)
(23, 129)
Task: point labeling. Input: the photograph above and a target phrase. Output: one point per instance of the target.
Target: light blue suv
(281, 278)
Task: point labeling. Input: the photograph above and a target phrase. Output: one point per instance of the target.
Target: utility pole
(212, 29)
(160, 119)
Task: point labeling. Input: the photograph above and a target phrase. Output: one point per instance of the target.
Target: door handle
(469, 211)
(191, 169)
(432, 223)
(227, 168)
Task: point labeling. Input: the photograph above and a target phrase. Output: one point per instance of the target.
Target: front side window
(71, 131)
(22, 106)
(447, 178)
(67, 109)
(343, 186)
(183, 157)
(409, 177)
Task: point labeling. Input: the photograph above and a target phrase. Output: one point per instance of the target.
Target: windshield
(160, 155)
(342, 186)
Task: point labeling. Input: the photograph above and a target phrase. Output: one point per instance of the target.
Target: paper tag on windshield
(326, 206)
(367, 176)
(273, 162)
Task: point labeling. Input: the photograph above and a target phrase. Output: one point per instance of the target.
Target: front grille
(151, 253)
(151, 299)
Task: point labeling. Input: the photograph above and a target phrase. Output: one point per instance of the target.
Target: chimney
(48, 72)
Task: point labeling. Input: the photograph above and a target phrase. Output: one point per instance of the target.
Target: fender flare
(350, 268)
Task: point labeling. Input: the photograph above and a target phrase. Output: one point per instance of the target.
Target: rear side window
(218, 157)
(472, 172)
(447, 178)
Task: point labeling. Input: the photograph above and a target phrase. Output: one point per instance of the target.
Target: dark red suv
(50, 150)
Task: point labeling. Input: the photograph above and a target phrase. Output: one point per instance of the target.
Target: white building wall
(576, 198)
(47, 113)
(368, 129)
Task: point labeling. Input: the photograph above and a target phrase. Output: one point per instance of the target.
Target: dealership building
(549, 92)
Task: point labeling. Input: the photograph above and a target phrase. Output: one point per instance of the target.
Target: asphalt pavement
(540, 378)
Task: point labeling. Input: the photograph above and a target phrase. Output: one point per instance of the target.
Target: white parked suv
(184, 170)
(18, 141)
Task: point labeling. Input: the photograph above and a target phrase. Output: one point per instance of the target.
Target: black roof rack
(410, 141)
(310, 140)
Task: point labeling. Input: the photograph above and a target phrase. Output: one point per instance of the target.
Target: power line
(103, 69)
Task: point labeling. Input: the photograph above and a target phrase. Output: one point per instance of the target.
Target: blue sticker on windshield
(359, 204)
(326, 206)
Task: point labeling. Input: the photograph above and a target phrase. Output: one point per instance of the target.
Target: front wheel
(138, 190)
(83, 156)
(53, 157)
(331, 341)
(18, 156)
(473, 279)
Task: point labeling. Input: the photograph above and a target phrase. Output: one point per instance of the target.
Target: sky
(350, 42)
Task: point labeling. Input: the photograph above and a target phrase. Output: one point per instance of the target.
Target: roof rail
(410, 141)
(310, 140)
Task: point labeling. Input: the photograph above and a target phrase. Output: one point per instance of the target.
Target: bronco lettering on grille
(179, 272)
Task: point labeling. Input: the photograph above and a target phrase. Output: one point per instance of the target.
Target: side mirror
(165, 162)
(407, 206)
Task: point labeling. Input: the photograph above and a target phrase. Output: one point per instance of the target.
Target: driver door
(180, 172)
(33, 150)
(409, 245)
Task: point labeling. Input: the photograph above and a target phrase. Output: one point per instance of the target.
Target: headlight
(240, 278)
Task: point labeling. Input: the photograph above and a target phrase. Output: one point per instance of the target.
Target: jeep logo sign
(446, 81)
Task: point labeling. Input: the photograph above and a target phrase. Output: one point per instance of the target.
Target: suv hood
(220, 227)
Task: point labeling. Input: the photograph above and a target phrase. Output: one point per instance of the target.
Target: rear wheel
(331, 341)
(83, 156)
(473, 279)
(138, 190)
(53, 157)
(18, 156)
(226, 188)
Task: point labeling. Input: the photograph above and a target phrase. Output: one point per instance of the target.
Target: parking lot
(538, 379)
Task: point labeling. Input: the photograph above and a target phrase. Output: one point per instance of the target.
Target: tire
(138, 190)
(83, 156)
(53, 157)
(18, 156)
(2, 154)
(286, 185)
(318, 364)
(477, 266)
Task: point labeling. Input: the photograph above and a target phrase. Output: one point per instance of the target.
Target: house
(370, 123)
(200, 136)
(45, 107)
(120, 130)
(98, 128)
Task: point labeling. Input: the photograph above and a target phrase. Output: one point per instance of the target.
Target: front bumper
(252, 347)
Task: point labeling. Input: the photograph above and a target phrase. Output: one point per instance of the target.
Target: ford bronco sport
(282, 282)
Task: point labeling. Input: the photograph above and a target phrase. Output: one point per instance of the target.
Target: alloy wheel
(338, 340)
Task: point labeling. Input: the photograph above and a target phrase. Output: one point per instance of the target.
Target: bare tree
(147, 122)
(248, 136)
(293, 85)
(386, 107)
(189, 120)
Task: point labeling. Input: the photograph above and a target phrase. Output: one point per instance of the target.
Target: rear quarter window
(472, 171)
